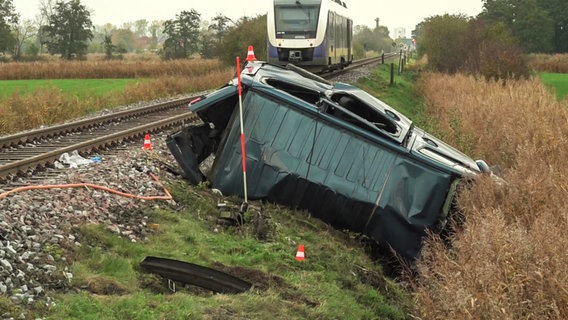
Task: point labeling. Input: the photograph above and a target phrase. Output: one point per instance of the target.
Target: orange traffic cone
(300, 253)
(147, 143)
(250, 54)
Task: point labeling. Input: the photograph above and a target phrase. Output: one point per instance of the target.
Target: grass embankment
(46, 101)
(508, 261)
(399, 95)
(337, 280)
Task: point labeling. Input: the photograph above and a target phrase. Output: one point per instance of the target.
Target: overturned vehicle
(332, 149)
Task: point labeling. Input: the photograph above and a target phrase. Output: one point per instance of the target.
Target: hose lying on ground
(168, 196)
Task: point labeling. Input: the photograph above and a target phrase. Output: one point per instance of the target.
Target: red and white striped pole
(243, 149)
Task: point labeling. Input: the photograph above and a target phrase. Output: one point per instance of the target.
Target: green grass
(337, 280)
(558, 81)
(73, 87)
(400, 95)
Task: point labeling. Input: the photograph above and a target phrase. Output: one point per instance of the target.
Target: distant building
(407, 44)
(399, 33)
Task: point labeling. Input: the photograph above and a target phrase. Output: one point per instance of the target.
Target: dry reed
(102, 69)
(51, 106)
(508, 261)
(555, 63)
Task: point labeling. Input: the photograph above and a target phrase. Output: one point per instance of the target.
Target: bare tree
(156, 34)
(23, 31)
(46, 9)
(141, 28)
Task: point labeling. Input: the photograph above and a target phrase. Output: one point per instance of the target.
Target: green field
(559, 81)
(99, 87)
(74, 87)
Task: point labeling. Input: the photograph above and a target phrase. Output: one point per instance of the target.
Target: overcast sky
(391, 13)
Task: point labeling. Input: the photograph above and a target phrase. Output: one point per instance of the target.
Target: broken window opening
(362, 110)
(305, 94)
(341, 106)
(348, 116)
(360, 117)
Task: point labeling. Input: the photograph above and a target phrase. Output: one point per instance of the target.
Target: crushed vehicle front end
(331, 149)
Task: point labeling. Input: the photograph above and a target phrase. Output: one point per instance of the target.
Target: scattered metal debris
(189, 273)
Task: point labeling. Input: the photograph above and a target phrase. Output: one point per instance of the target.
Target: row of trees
(367, 39)
(495, 42)
(64, 27)
(502, 32)
(138, 36)
(540, 26)
(457, 43)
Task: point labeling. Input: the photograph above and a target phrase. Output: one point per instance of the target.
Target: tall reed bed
(508, 260)
(555, 63)
(104, 69)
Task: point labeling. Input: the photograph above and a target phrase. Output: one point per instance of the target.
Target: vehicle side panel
(303, 160)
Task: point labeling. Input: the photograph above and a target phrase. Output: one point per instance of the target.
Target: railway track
(356, 64)
(27, 153)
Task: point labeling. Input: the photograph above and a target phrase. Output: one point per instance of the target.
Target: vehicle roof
(286, 82)
(261, 71)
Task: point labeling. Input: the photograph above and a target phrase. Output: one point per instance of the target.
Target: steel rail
(356, 64)
(45, 158)
(75, 126)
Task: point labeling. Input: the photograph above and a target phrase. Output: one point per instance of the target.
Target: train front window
(296, 22)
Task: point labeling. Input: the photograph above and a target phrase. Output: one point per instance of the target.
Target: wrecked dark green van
(329, 148)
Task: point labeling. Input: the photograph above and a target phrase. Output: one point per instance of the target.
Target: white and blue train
(316, 35)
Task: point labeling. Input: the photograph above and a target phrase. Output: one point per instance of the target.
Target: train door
(331, 38)
(341, 41)
(349, 44)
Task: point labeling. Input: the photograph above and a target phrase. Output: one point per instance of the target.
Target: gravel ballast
(35, 224)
